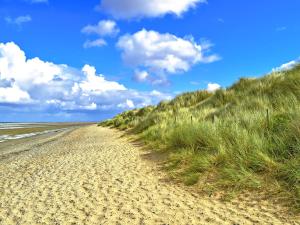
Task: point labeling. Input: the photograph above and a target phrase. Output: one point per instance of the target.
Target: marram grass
(244, 137)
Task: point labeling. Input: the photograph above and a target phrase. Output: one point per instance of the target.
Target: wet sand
(92, 175)
(14, 131)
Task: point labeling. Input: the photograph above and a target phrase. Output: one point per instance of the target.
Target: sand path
(93, 176)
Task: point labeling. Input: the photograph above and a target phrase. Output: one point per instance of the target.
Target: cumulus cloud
(127, 104)
(96, 43)
(103, 28)
(157, 94)
(127, 9)
(18, 20)
(95, 84)
(92, 106)
(287, 66)
(141, 76)
(162, 53)
(14, 94)
(212, 87)
(59, 88)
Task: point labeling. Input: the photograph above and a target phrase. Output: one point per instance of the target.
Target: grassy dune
(244, 137)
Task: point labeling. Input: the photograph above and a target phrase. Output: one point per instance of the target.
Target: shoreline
(15, 146)
(13, 131)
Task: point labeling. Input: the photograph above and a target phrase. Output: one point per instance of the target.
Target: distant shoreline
(17, 146)
(15, 131)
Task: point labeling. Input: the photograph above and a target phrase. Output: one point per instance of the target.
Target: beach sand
(92, 175)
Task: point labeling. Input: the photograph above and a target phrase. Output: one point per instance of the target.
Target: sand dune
(93, 176)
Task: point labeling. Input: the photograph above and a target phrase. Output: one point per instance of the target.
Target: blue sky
(88, 60)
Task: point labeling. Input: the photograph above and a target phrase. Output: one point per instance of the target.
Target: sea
(6, 127)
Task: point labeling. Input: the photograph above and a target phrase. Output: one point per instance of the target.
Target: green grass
(244, 137)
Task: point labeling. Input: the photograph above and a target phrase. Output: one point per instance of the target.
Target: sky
(63, 60)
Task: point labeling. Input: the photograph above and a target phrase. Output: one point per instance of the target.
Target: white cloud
(92, 106)
(127, 9)
(128, 104)
(18, 20)
(162, 53)
(141, 76)
(96, 43)
(156, 93)
(13, 65)
(212, 87)
(14, 95)
(103, 28)
(287, 66)
(96, 84)
(60, 88)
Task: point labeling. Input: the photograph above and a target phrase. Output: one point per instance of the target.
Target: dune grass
(244, 137)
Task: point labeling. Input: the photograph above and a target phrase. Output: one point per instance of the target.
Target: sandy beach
(92, 175)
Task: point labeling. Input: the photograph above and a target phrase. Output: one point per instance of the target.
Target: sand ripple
(92, 176)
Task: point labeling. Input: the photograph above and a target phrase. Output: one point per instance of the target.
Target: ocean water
(18, 125)
(10, 126)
